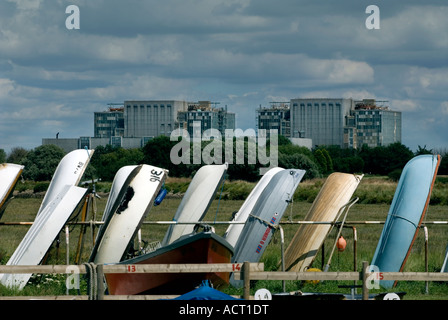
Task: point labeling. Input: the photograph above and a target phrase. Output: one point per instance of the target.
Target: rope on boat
(268, 223)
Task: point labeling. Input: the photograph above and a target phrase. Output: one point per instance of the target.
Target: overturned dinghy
(123, 177)
(69, 172)
(123, 218)
(408, 208)
(60, 201)
(308, 239)
(196, 201)
(233, 232)
(265, 217)
(42, 233)
(9, 175)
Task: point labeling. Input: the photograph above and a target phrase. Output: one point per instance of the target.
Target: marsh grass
(375, 196)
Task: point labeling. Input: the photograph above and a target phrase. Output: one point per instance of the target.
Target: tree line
(41, 162)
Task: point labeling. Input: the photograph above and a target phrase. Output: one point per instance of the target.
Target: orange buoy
(341, 244)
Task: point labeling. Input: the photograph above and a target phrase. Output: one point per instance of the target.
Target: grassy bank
(375, 197)
(371, 190)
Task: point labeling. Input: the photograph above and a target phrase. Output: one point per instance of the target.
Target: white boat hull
(196, 201)
(121, 178)
(69, 172)
(129, 211)
(9, 174)
(265, 217)
(42, 233)
(233, 232)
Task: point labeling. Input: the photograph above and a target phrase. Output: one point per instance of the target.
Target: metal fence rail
(285, 222)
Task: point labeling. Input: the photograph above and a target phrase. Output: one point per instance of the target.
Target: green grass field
(23, 209)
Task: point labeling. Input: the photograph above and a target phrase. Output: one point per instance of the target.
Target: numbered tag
(78, 167)
(155, 175)
(131, 268)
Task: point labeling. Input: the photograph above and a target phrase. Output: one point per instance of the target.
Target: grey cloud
(242, 53)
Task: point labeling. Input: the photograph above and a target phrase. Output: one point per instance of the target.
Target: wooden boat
(196, 201)
(408, 208)
(233, 232)
(68, 172)
(9, 175)
(308, 239)
(131, 206)
(203, 247)
(42, 233)
(265, 216)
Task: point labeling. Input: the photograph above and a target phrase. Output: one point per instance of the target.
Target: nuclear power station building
(343, 122)
(310, 122)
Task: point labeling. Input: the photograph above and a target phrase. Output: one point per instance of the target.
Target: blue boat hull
(405, 215)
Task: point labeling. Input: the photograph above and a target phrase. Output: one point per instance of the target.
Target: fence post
(426, 257)
(246, 279)
(365, 289)
(100, 282)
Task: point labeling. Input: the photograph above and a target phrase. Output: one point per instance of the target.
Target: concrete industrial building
(133, 123)
(322, 120)
(309, 122)
(151, 118)
(345, 122)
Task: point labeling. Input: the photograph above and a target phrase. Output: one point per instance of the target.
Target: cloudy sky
(241, 53)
